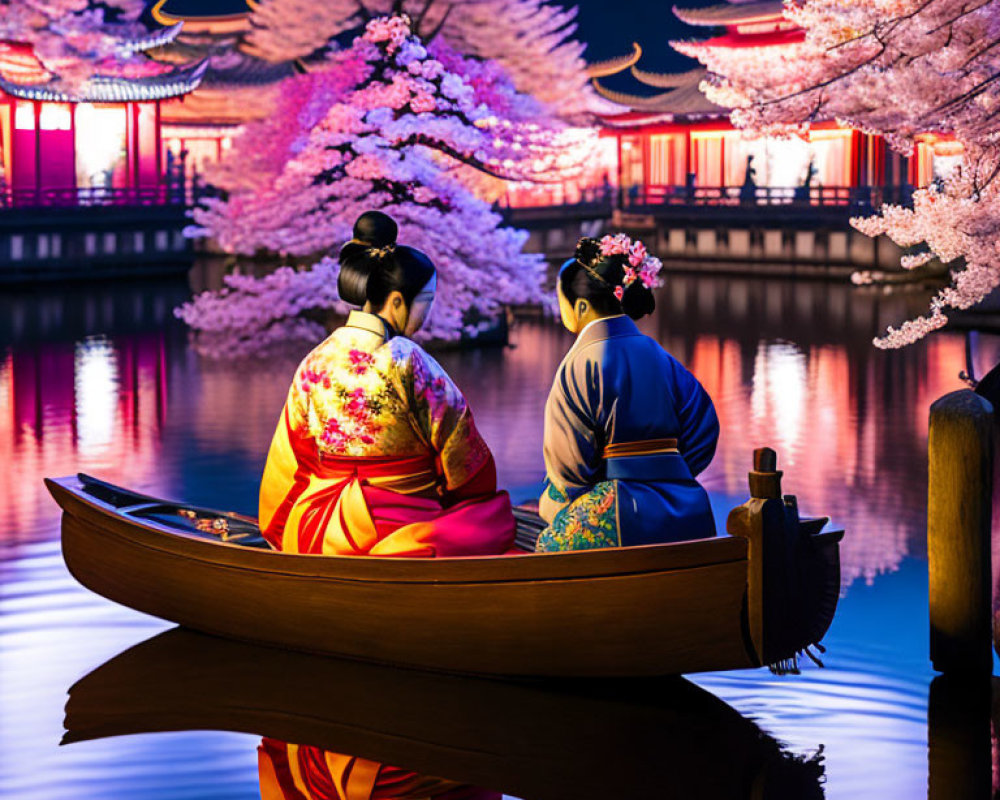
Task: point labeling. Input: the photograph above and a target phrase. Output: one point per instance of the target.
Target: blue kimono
(627, 429)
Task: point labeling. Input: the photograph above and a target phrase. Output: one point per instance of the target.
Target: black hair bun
(376, 229)
(588, 251)
(372, 247)
(638, 301)
(370, 274)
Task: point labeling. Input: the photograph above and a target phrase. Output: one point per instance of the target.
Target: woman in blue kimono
(627, 427)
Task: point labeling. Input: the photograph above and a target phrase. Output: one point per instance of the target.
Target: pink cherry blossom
(637, 253)
(75, 41)
(615, 245)
(531, 41)
(372, 133)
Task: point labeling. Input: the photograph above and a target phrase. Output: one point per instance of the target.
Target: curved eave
(628, 100)
(773, 39)
(115, 90)
(642, 119)
(668, 80)
(602, 69)
(682, 102)
(158, 13)
(144, 39)
(732, 13)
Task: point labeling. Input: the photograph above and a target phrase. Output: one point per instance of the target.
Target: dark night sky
(607, 26)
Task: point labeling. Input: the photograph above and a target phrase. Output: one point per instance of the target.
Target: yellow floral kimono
(376, 453)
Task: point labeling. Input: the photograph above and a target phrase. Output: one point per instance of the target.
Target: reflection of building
(103, 146)
(849, 422)
(95, 407)
(676, 146)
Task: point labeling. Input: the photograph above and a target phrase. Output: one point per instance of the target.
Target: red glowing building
(674, 145)
(102, 146)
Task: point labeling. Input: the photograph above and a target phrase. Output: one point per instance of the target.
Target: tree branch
(955, 19)
(440, 25)
(421, 16)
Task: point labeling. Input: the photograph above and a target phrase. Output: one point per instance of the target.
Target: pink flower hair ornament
(641, 266)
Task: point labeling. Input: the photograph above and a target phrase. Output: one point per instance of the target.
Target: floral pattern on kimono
(377, 453)
(350, 401)
(587, 523)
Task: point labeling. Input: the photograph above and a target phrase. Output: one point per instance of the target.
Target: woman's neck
(586, 323)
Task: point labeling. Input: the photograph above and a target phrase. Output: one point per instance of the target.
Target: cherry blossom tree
(897, 68)
(389, 124)
(76, 40)
(531, 39)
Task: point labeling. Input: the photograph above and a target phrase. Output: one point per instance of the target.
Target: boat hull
(657, 610)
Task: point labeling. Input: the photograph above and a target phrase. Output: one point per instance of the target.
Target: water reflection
(303, 772)
(789, 365)
(581, 739)
(94, 406)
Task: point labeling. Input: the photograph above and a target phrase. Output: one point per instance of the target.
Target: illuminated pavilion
(104, 145)
(667, 136)
(237, 87)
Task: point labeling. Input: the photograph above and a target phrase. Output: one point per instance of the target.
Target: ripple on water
(789, 365)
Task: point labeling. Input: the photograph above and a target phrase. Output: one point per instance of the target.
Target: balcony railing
(164, 194)
(860, 197)
(650, 199)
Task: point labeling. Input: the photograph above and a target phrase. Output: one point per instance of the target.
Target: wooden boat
(549, 740)
(758, 596)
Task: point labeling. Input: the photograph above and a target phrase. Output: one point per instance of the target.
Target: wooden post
(958, 738)
(756, 520)
(959, 507)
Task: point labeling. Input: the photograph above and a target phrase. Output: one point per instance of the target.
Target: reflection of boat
(660, 737)
(303, 772)
(759, 596)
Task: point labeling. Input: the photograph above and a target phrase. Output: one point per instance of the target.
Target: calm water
(105, 382)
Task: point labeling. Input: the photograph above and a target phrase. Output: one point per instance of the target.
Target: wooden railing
(164, 194)
(647, 199)
(867, 197)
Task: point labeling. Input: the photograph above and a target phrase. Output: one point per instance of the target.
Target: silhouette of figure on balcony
(803, 191)
(606, 189)
(748, 191)
(689, 187)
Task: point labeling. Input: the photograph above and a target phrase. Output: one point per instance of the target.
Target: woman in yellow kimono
(376, 451)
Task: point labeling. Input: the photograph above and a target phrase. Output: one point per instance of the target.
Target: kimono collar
(606, 328)
(372, 323)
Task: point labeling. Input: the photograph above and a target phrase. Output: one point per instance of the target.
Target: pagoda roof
(167, 12)
(602, 69)
(668, 80)
(137, 38)
(770, 39)
(110, 89)
(220, 106)
(239, 69)
(685, 101)
(731, 13)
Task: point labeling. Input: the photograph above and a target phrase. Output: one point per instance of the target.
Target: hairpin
(381, 252)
